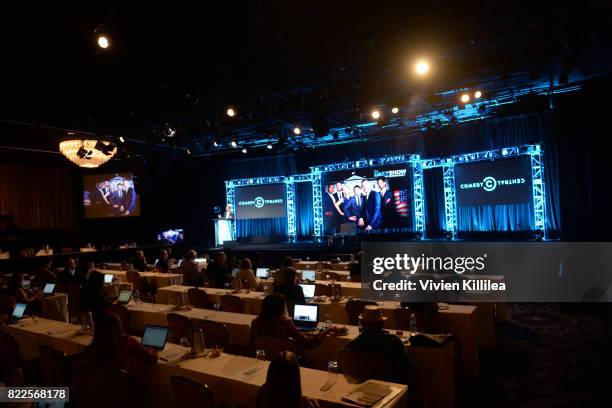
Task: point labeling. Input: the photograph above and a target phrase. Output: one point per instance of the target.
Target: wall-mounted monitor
(171, 236)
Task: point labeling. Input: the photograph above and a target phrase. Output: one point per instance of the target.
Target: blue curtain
(515, 217)
(263, 227)
(435, 218)
(305, 215)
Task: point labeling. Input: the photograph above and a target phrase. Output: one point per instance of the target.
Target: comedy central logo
(489, 183)
(259, 202)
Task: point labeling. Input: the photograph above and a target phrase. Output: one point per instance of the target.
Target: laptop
(155, 336)
(48, 289)
(306, 317)
(235, 271)
(262, 273)
(310, 276)
(309, 290)
(124, 297)
(108, 278)
(18, 312)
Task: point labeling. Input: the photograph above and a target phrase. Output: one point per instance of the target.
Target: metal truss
(317, 204)
(419, 201)
(450, 203)
(230, 200)
(538, 190)
(291, 211)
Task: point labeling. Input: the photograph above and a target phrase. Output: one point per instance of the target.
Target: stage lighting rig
(102, 38)
(297, 130)
(465, 98)
(395, 110)
(231, 112)
(107, 148)
(422, 67)
(375, 114)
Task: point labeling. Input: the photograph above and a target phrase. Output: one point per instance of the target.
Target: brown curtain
(37, 196)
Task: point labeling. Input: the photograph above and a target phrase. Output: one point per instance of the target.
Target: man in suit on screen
(351, 211)
(371, 215)
(386, 203)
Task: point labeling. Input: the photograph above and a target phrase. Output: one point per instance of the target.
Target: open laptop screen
(49, 288)
(108, 278)
(262, 272)
(309, 290)
(124, 296)
(309, 276)
(306, 314)
(19, 311)
(155, 336)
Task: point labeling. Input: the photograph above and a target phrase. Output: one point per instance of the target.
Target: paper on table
(367, 394)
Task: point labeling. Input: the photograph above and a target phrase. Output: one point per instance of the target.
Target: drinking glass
(260, 355)
(328, 320)
(217, 307)
(185, 342)
(332, 371)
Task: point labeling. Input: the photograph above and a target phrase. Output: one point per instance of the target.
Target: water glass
(34, 317)
(217, 307)
(185, 342)
(328, 320)
(332, 370)
(260, 355)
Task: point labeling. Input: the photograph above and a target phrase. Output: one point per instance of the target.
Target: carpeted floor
(546, 356)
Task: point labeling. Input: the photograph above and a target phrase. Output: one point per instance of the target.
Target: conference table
(159, 279)
(431, 385)
(460, 320)
(226, 375)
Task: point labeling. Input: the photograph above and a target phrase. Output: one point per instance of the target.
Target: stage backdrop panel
(389, 206)
(494, 195)
(261, 201)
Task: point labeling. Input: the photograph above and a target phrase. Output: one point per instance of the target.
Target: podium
(224, 230)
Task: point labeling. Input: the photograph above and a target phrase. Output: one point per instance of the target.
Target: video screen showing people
(110, 195)
(171, 236)
(368, 200)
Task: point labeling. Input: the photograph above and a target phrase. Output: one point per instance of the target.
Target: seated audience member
(43, 273)
(139, 262)
(246, 276)
(16, 289)
(279, 275)
(216, 271)
(7, 305)
(69, 275)
(290, 288)
(162, 262)
(374, 340)
(283, 387)
(355, 268)
(274, 322)
(191, 275)
(91, 296)
(112, 349)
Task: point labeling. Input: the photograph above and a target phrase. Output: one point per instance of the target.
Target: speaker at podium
(224, 230)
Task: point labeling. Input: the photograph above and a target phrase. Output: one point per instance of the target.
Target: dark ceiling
(280, 63)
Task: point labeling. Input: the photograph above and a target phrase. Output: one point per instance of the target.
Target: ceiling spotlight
(106, 148)
(215, 143)
(188, 150)
(234, 144)
(231, 112)
(103, 41)
(394, 110)
(269, 146)
(465, 98)
(297, 130)
(477, 94)
(421, 67)
(375, 114)
(244, 150)
(121, 139)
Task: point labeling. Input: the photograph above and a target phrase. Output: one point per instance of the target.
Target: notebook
(309, 290)
(155, 337)
(306, 317)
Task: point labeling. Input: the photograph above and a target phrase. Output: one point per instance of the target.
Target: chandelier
(88, 153)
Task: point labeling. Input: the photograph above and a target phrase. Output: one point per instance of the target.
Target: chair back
(215, 333)
(231, 303)
(7, 304)
(101, 389)
(53, 366)
(354, 308)
(424, 318)
(135, 279)
(180, 326)
(191, 393)
(74, 296)
(364, 366)
(322, 290)
(198, 298)
(9, 351)
(274, 345)
(331, 276)
(124, 315)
